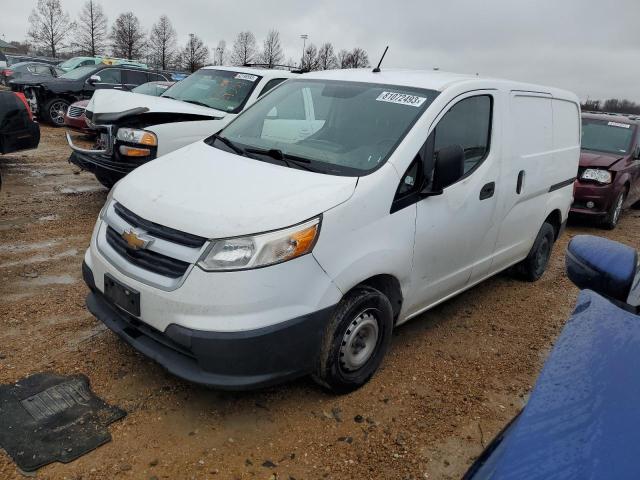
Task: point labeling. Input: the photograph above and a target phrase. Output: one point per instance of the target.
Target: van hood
(598, 159)
(211, 193)
(116, 101)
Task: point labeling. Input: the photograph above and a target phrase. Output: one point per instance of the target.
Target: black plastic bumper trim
(241, 360)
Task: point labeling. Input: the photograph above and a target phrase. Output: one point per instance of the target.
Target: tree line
(53, 33)
(612, 105)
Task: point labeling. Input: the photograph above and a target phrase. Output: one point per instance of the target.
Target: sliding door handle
(520, 184)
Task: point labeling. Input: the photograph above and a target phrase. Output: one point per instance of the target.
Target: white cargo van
(289, 245)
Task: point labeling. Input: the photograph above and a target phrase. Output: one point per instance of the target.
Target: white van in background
(134, 128)
(297, 238)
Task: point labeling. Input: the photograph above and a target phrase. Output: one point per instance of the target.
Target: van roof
(433, 80)
(263, 72)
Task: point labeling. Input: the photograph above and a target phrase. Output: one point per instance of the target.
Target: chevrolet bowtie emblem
(136, 240)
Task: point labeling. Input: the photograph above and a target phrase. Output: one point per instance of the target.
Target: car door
(17, 129)
(456, 231)
(133, 78)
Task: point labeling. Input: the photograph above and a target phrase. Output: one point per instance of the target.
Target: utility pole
(304, 46)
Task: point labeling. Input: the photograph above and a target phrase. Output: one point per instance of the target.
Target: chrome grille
(75, 112)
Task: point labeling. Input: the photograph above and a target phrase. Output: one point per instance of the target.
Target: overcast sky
(591, 47)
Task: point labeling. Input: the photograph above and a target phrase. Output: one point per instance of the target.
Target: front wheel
(534, 266)
(355, 341)
(613, 217)
(55, 110)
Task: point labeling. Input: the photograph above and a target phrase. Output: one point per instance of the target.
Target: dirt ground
(452, 380)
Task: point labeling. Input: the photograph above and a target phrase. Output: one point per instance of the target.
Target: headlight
(139, 137)
(597, 175)
(242, 253)
(107, 202)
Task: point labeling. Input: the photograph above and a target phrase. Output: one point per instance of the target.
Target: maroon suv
(609, 173)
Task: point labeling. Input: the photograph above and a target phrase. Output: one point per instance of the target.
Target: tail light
(6, 72)
(23, 99)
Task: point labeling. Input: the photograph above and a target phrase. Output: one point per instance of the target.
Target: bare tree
(91, 32)
(358, 58)
(327, 57)
(195, 54)
(162, 42)
(244, 48)
(344, 59)
(310, 58)
(49, 26)
(272, 49)
(128, 39)
(220, 53)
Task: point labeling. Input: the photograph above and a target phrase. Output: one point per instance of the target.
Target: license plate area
(124, 297)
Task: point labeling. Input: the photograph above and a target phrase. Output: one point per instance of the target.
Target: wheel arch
(555, 220)
(389, 285)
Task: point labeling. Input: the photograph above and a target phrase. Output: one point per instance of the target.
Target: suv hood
(115, 101)
(598, 159)
(208, 192)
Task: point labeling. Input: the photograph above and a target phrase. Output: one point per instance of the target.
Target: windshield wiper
(230, 144)
(278, 154)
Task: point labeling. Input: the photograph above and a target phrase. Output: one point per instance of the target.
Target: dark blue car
(583, 418)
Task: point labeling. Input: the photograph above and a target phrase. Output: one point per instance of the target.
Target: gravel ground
(453, 377)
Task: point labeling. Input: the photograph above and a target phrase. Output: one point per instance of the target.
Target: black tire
(358, 311)
(534, 266)
(54, 111)
(615, 212)
(106, 181)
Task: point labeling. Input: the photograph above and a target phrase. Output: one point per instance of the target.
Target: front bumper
(239, 360)
(602, 197)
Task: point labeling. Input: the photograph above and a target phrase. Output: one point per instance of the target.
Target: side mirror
(601, 265)
(94, 79)
(448, 168)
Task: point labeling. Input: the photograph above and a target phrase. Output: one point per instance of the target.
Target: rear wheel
(355, 340)
(55, 110)
(613, 217)
(534, 266)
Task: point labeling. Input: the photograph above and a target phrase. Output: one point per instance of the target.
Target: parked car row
(49, 98)
(28, 70)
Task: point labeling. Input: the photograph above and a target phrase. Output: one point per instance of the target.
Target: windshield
(220, 89)
(72, 62)
(79, 72)
(606, 136)
(341, 128)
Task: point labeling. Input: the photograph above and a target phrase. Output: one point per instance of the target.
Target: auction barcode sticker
(621, 125)
(246, 76)
(401, 98)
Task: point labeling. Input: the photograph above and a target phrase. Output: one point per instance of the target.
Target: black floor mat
(46, 418)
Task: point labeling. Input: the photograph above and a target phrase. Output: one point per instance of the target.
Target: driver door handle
(488, 190)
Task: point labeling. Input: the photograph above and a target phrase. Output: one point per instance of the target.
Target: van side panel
(529, 143)
(566, 155)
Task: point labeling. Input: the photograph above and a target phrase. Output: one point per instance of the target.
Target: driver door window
(110, 76)
(467, 124)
